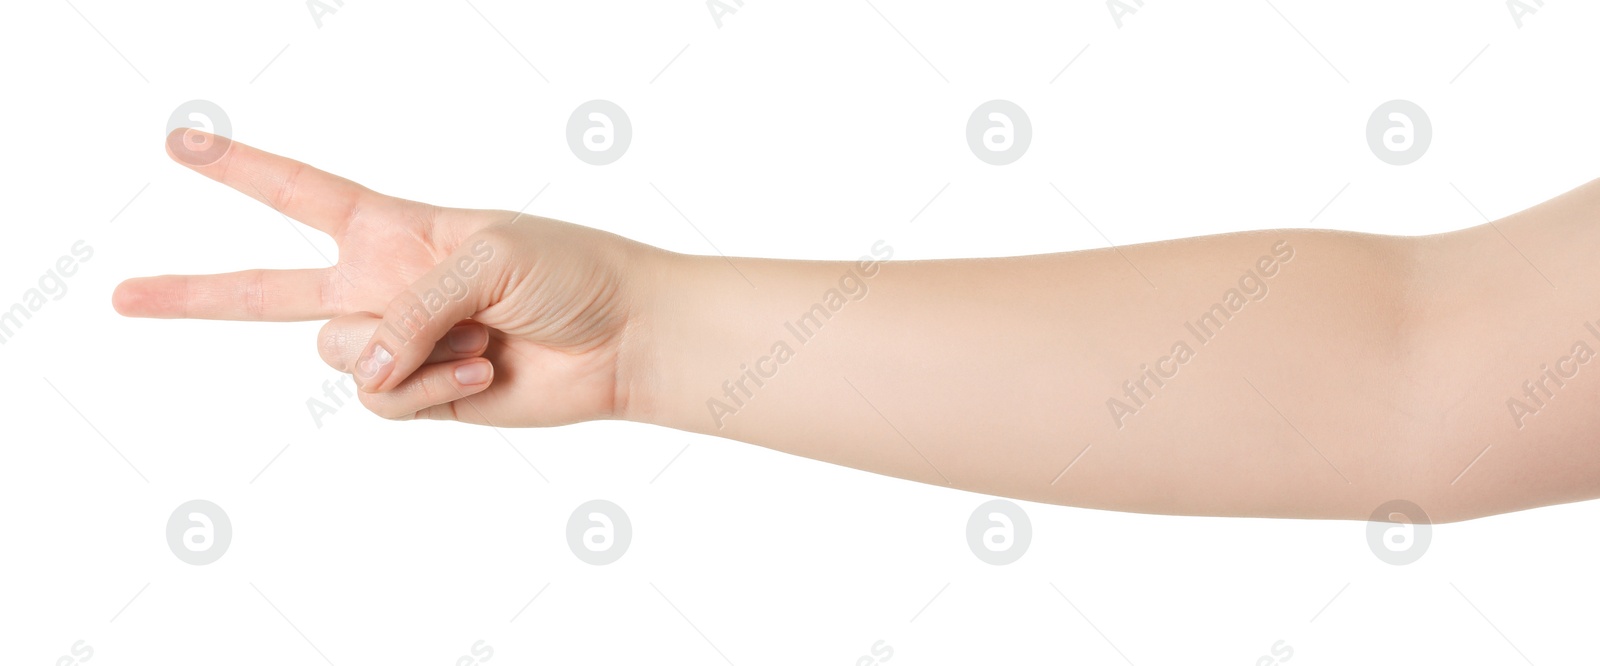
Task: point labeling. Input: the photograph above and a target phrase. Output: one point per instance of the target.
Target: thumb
(413, 323)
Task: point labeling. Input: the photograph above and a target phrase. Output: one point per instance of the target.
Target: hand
(549, 303)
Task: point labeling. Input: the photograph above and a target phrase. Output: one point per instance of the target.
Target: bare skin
(1289, 373)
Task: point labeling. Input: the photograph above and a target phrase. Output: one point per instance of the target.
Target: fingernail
(470, 374)
(374, 367)
(464, 339)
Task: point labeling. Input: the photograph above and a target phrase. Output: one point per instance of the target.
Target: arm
(1288, 373)
(996, 375)
(1282, 373)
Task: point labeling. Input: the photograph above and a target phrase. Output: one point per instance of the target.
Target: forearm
(1283, 373)
(996, 375)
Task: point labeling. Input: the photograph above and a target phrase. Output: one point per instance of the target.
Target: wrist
(650, 277)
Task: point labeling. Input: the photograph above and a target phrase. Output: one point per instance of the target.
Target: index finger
(315, 197)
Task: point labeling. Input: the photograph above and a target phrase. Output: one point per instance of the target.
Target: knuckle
(330, 346)
(480, 250)
(430, 389)
(382, 406)
(444, 412)
(496, 235)
(255, 294)
(283, 196)
(189, 296)
(328, 292)
(407, 315)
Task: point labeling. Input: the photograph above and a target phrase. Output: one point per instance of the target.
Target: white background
(793, 130)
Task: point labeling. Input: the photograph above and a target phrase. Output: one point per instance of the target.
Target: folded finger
(432, 388)
(341, 340)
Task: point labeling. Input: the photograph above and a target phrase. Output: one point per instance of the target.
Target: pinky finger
(429, 392)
